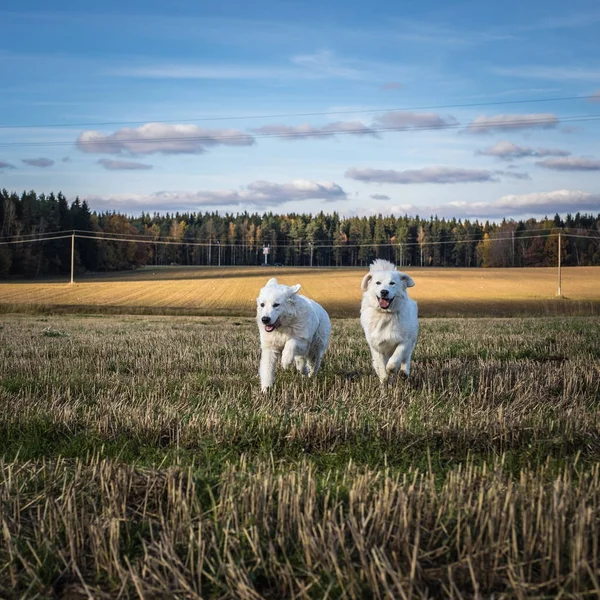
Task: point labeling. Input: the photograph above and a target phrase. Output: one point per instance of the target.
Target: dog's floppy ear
(294, 289)
(272, 281)
(365, 282)
(407, 280)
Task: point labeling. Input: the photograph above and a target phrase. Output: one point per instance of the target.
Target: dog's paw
(384, 381)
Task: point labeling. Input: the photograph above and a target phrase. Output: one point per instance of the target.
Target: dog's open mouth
(272, 326)
(385, 303)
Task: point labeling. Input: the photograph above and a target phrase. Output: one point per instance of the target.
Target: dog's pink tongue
(383, 303)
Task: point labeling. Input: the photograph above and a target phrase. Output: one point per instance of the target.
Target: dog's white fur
(392, 332)
(301, 336)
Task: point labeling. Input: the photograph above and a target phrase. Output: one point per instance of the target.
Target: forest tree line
(293, 239)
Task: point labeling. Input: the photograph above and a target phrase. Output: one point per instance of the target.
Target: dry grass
(211, 291)
(140, 460)
(99, 529)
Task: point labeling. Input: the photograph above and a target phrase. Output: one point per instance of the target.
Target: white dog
(291, 326)
(389, 318)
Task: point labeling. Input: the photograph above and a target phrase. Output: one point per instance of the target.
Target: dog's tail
(382, 265)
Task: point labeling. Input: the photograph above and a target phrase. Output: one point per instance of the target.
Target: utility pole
(72, 257)
(559, 265)
(401, 255)
(311, 253)
(219, 244)
(513, 247)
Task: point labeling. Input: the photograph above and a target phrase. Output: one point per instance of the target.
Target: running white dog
(291, 326)
(389, 318)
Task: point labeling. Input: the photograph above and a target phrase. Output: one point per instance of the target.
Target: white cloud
(260, 193)
(325, 63)
(513, 174)
(408, 119)
(5, 165)
(161, 138)
(265, 193)
(425, 175)
(509, 151)
(510, 206)
(38, 162)
(190, 71)
(298, 132)
(123, 165)
(552, 73)
(319, 65)
(485, 124)
(572, 163)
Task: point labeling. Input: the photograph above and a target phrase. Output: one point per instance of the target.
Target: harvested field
(232, 291)
(141, 460)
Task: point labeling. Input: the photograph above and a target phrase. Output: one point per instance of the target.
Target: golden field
(232, 291)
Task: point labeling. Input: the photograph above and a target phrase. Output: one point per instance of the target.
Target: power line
(501, 235)
(320, 133)
(59, 237)
(112, 237)
(306, 114)
(541, 234)
(41, 233)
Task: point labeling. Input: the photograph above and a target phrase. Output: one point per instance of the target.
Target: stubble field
(141, 460)
(232, 291)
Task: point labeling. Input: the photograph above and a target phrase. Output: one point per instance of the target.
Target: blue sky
(459, 109)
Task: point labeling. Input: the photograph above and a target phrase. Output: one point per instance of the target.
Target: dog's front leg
(398, 358)
(379, 365)
(292, 349)
(268, 361)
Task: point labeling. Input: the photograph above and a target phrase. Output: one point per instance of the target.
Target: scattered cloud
(299, 132)
(38, 162)
(5, 165)
(265, 193)
(392, 85)
(509, 151)
(380, 197)
(66, 159)
(595, 97)
(571, 129)
(326, 64)
(551, 73)
(161, 138)
(572, 163)
(192, 71)
(510, 206)
(514, 175)
(408, 119)
(425, 175)
(485, 124)
(123, 165)
(258, 193)
(560, 201)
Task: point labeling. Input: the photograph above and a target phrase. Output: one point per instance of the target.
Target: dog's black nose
(266, 320)
(384, 293)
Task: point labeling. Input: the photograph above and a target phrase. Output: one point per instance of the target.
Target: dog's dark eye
(378, 283)
(392, 283)
(275, 305)
(262, 304)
